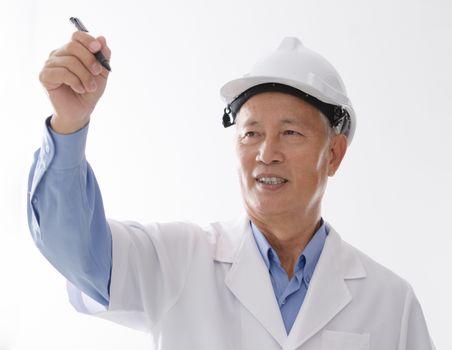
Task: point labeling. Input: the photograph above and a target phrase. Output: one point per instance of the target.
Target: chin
(267, 207)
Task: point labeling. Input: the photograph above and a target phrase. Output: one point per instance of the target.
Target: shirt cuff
(69, 148)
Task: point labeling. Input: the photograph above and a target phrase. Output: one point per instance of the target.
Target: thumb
(105, 49)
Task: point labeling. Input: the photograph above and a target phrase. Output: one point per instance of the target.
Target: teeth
(271, 180)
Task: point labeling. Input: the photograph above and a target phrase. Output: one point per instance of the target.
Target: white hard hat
(297, 70)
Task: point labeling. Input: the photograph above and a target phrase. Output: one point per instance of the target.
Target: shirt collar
(311, 252)
(262, 244)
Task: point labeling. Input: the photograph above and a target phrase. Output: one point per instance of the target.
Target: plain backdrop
(160, 153)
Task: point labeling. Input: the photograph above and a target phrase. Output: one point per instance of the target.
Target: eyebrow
(250, 122)
(289, 121)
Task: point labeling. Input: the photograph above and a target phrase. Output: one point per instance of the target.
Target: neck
(288, 235)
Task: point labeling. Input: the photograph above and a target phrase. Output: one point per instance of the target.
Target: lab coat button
(47, 148)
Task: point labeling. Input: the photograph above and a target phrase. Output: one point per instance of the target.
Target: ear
(338, 147)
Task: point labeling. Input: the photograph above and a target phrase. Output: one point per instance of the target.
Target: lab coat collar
(328, 292)
(249, 280)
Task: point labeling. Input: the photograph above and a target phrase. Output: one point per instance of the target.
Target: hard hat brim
(232, 89)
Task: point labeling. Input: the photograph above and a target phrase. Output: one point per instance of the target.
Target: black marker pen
(99, 56)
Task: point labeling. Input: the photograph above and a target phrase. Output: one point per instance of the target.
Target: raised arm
(65, 210)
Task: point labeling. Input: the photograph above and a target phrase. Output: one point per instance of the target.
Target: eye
(250, 137)
(250, 134)
(291, 132)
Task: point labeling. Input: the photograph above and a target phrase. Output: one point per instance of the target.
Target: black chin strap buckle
(228, 119)
(341, 120)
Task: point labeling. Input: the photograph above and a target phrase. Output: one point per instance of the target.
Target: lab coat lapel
(249, 280)
(328, 293)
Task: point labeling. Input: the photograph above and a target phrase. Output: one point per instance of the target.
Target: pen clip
(78, 24)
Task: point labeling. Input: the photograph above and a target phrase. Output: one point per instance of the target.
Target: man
(279, 277)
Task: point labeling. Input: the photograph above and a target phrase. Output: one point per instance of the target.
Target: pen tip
(106, 64)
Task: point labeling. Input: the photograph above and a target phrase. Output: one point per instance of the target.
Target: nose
(269, 152)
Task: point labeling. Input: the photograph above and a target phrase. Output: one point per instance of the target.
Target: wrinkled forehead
(275, 108)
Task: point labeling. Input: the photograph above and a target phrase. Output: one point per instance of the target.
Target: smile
(271, 180)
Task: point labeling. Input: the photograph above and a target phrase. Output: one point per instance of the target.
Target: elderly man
(279, 277)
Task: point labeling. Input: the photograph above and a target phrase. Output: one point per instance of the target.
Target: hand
(75, 81)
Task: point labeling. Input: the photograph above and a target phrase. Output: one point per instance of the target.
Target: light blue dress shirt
(290, 294)
(66, 215)
(68, 224)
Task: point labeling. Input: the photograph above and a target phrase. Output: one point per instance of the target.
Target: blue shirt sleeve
(66, 215)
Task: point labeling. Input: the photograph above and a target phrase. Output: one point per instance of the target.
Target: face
(286, 151)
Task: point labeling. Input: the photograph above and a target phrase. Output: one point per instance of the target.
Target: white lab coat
(206, 289)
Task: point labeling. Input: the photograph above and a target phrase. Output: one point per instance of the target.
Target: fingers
(83, 50)
(87, 40)
(75, 65)
(54, 77)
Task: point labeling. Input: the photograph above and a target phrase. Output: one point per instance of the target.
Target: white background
(160, 153)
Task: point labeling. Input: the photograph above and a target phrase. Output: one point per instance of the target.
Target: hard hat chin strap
(341, 120)
(338, 117)
(228, 120)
